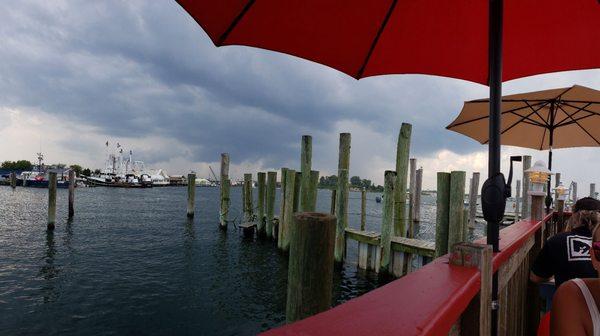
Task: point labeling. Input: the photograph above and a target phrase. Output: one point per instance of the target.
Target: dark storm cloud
(146, 68)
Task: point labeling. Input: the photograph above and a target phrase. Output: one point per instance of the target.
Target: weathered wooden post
(363, 209)
(72, 183)
(297, 191)
(525, 207)
(473, 191)
(248, 207)
(537, 207)
(518, 201)
(288, 211)
(402, 152)
(225, 190)
(271, 190)
(191, 194)
(457, 200)
(310, 270)
(442, 214)
(342, 197)
(412, 169)
(276, 229)
(51, 200)
(261, 222)
(311, 192)
(13, 180)
(557, 182)
(387, 221)
(593, 190)
(476, 319)
(416, 209)
(305, 167)
(333, 200)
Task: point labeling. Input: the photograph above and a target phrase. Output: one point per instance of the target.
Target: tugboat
(38, 178)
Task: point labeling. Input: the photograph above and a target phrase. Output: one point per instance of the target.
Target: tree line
(26, 165)
(330, 182)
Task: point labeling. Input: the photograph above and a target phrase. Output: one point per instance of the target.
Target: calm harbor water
(131, 263)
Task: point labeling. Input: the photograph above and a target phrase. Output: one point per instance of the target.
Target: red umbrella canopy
(436, 37)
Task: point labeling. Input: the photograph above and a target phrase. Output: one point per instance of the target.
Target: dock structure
(270, 200)
(363, 209)
(191, 194)
(225, 186)
(72, 183)
(51, 200)
(341, 210)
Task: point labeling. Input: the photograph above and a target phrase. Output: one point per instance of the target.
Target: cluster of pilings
(52, 198)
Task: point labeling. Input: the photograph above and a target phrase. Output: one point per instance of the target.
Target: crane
(216, 180)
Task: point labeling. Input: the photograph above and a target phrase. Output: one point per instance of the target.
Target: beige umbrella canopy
(557, 118)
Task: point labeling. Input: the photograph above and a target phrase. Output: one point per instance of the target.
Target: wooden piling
(457, 199)
(261, 222)
(342, 197)
(363, 209)
(333, 200)
(271, 190)
(276, 229)
(248, 207)
(442, 214)
(387, 222)
(402, 152)
(537, 207)
(473, 191)
(297, 191)
(72, 183)
(191, 194)
(416, 209)
(525, 207)
(13, 180)
(310, 270)
(518, 202)
(225, 190)
(288, 211)
(305, 169)
(310, 193)
(412, 167)
(51, 200)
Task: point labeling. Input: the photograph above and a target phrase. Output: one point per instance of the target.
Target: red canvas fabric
(435, 37)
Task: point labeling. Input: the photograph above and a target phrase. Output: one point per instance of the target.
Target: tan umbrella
(556, 118)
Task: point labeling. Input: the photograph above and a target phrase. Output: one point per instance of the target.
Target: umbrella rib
(579, 109)
(536, 112)
(521, 120)
(361, 70)
(576, 119)
(487, 116)
(584, 108)
(235, 22)
(578, 124)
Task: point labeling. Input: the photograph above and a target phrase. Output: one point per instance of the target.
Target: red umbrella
(476, 40)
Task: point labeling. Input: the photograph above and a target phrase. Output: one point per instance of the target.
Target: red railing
(428, 301)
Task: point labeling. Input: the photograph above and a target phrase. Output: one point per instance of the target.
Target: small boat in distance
(39, 178)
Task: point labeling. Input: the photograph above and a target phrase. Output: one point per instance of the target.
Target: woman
(575, 309)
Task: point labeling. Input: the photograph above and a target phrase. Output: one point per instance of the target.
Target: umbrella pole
(495, 83)
(551, 139)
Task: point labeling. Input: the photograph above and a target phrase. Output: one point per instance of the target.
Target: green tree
(355, 181)
(77, 168)
(17, 165)
(96, 171)
(86, 172)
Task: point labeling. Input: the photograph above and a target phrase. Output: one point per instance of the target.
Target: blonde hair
(586, 218)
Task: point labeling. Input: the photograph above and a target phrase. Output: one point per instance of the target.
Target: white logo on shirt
(578, 248)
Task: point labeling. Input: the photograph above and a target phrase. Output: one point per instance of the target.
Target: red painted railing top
(425, 302)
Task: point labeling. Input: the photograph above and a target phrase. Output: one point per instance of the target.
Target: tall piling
(525, 207)
(261, 222)
(473, 191)
(457, 198)
(305, 171)
(72, 183)
(297, 191)
(402, 152)
(342, 197)
(13, 180)
(310, 270)
(225, 190)
(363, 209)
(288, 211)
(51, 200)
(416, 209)
(333, 201)
(442, 214)
(412, 175)
(277, 230)
(518, 202)
(271, 190)
(310, 193)
(191, 194)
(248, 207)
(387, 221)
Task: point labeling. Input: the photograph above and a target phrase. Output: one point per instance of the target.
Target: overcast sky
(75, 74)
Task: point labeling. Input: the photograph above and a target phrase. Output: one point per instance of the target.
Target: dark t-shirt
(566, 256)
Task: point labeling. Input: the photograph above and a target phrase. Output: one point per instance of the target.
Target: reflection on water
(49, 271)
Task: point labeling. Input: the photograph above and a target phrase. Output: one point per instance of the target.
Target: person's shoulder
(568, 307)
(566, 291)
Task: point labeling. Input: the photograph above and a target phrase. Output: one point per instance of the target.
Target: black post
(548, 200)
(496, 12)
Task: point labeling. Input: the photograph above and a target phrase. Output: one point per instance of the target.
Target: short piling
(297, 191)
(72, 183)
(309, 194)
(288, 211)
(305, 170)
(248, 207)
(225, 190)
(191, 194)
(51, 200)
(416, 210)
(442, 214)
(277, 230)
(333, 200)
(473, 191)
(537, 207)
(387, 222)
(525, 207)
(13, 180)
(261, 222)
(342, 197)
(402, 153)
(363, 209)
(412, 168)
(518, 202)
(310, 270)
(457, 196)
(271, 190)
